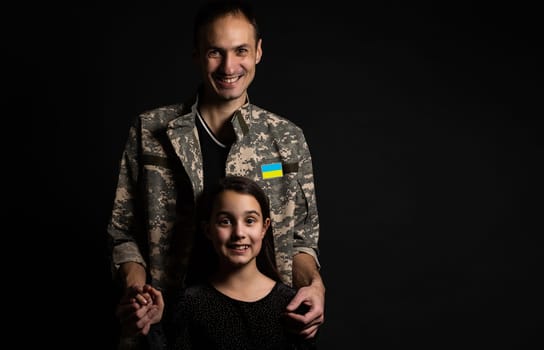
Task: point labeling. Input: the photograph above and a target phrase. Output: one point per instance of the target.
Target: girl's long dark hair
(204, 260)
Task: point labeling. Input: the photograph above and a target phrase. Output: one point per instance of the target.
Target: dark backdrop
(424, 123)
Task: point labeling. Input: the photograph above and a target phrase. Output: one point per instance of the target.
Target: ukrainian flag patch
(272, 170)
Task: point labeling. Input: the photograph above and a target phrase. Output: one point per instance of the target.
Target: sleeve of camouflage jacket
(123, 231)
(306, 235)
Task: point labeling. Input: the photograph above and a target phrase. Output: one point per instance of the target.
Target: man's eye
(214, 53)
(243, 51)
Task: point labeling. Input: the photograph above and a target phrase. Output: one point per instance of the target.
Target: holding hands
(139, 308)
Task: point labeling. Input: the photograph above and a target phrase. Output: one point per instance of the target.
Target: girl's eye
(224, 221)
(251, 220)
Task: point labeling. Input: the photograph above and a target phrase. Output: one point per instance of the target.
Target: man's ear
(194, 56)
(259, 52)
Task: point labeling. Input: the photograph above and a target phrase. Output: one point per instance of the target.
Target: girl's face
(236, 228)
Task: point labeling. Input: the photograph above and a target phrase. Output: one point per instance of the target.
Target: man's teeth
(229, 80)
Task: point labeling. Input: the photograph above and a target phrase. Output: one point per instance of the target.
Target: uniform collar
(240, 119)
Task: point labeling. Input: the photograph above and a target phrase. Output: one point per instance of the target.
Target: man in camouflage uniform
(174, 153)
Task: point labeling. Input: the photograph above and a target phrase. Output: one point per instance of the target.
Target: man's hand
(306, 312)
(138, 309)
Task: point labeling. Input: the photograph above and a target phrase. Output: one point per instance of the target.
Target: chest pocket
(279, 181)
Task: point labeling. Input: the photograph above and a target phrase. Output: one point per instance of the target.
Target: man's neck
(217, 115)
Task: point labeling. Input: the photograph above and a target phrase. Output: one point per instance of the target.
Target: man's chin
(229, 95)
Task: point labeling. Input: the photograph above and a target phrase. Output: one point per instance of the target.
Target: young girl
(235, 299)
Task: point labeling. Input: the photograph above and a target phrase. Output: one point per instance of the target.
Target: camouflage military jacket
(161, 176)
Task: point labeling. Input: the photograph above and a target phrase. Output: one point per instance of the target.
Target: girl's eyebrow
(252, 211)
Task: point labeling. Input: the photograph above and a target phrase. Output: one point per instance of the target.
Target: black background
(423, 120)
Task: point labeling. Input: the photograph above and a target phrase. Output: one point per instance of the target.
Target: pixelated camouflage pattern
(161, 176)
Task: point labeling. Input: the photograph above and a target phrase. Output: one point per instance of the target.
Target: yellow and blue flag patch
(272, 170)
